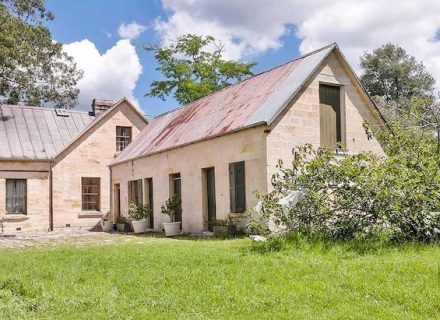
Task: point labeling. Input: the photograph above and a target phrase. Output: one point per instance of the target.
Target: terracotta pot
(171, 228)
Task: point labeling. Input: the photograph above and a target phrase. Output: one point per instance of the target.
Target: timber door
(117, 193)
(330, 116)
(149, 198)
(210, 196)
(176, 190)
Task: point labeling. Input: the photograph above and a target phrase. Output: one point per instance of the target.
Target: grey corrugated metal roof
(35, 133)
(257, 100)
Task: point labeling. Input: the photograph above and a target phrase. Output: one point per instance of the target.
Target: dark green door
(177, 190)
(149, 186)
(210, 196)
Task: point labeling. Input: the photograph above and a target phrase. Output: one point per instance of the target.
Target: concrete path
(68, 236)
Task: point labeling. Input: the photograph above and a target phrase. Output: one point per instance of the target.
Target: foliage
(193, 67)
(359, 196)
(138, 212)
(121, 219)
(171, 207)
(162, 278)
(391, 73)
(403, 89)
(220, 222)
(33, 67)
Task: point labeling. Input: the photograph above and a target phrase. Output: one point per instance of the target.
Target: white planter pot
(140, 226)
(106, 226)
(121, 227)
(171, 228)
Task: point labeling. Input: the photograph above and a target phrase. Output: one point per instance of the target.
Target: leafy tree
(33, 67)
(361, 196)
(402, 88)
(395, 76)
(193, 67)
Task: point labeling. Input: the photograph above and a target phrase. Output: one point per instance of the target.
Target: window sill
(90, 214)
(341, 153)
(15, 217)
(237, 216)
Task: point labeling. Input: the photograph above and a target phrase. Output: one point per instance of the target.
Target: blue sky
(99, 20)
(269, 32)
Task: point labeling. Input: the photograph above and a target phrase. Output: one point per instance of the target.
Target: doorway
(148, 182)
(176, 190)
(209, 195)
(117, 194)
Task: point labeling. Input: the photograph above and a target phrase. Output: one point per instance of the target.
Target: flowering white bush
(358, 196)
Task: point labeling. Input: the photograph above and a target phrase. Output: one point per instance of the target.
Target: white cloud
(131, 30)
(249, 27)
(111, 75)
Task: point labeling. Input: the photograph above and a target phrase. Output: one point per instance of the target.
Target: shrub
(171, 207)
(138, 212)
(121, 220)
(359, 196)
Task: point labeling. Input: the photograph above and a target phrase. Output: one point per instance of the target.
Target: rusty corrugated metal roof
(257, 100)
(35, 133)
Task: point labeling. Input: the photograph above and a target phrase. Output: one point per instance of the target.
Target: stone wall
(89, 156)
(299, 124)
(37, 175)
(247, 145)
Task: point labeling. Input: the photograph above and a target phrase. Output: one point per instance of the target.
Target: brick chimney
(101, 105)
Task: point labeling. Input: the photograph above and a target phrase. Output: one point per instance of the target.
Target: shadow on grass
(356, 247)
(186, 237)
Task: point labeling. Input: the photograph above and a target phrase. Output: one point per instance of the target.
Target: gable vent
(62, 113)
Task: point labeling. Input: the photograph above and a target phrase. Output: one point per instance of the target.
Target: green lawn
(213, 279)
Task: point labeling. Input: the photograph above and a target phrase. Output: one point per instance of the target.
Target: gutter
(11, 170)
(52, 164)
(252, 126)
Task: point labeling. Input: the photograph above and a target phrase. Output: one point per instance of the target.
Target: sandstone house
(61, 168)
(54, 162)
(216, 151)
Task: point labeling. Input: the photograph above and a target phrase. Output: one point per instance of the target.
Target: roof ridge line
(251, 77)
(41, 108)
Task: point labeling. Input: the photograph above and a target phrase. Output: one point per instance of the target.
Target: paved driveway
(68, 236)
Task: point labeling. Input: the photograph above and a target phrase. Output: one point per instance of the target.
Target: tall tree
(391, 73)
(402, 88)
(33, 67)
(193, 67)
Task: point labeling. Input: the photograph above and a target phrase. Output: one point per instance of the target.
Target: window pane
(135, 191)
(123, 137)
(16, 191)
(90, 194)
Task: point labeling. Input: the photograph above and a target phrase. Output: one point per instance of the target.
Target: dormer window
(123, 137)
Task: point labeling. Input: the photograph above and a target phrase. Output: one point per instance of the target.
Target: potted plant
(170, 208)
(220, 227)
(106, 225)
(139, 216)
(120, 223)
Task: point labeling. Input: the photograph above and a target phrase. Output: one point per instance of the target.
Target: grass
(212, 279)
